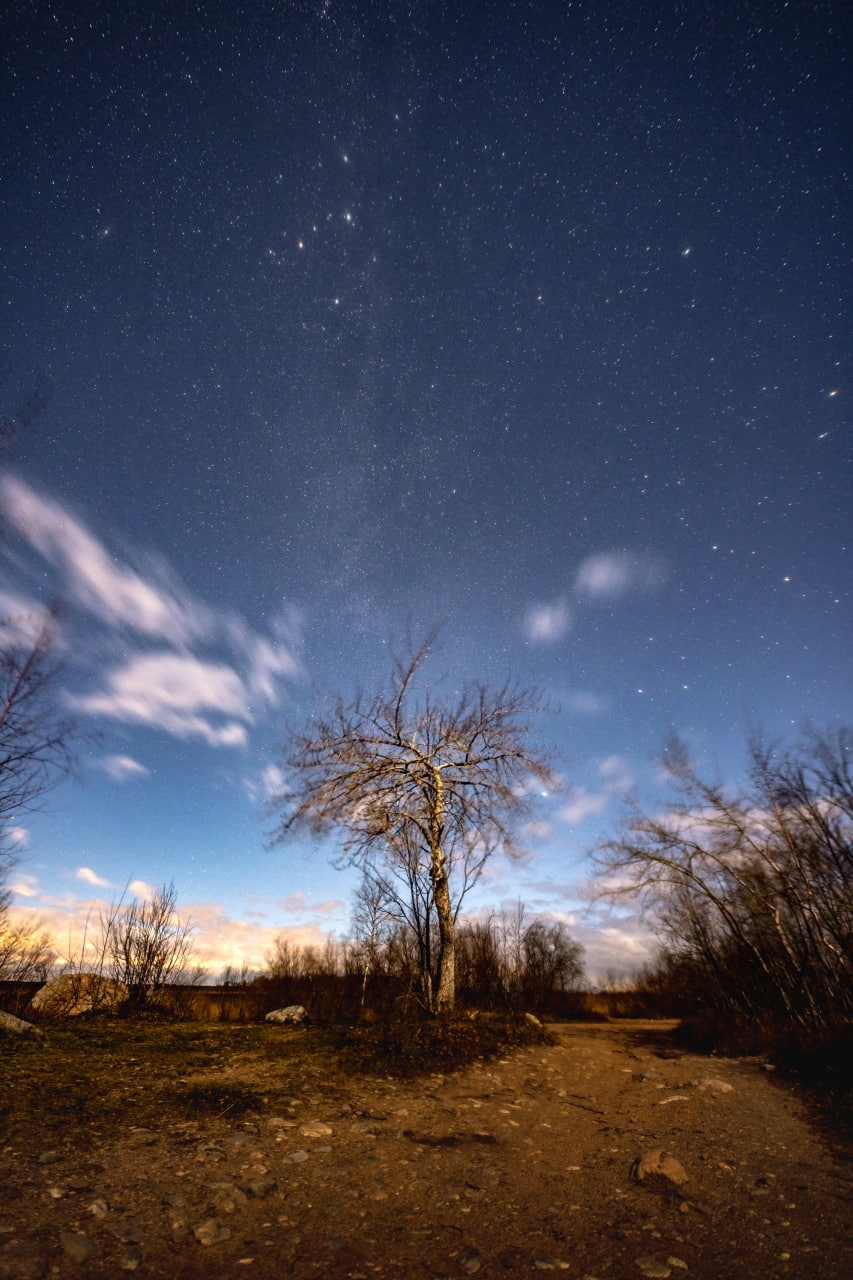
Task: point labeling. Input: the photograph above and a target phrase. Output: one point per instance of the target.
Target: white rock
(292, 1014)
(8, 1022)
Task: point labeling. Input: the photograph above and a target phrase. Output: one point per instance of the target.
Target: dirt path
(506, 1168)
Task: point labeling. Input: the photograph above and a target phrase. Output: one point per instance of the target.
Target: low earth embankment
(239, 1151)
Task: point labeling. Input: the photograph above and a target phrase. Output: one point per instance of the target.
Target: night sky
(529, 320)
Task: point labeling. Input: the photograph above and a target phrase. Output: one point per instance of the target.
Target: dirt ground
(507, 1167)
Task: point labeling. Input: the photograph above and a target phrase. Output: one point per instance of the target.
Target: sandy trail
(509, 1167)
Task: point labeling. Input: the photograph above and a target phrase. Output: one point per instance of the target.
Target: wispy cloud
(616, 775)
(583, 805)
(24, 887)
(610, 575)
(89, 876)
(163, 685)
(548, 623)
(299, 904)
(142, 889)
(93, 581)
(177, 693)
(19, 836)
(121, 768)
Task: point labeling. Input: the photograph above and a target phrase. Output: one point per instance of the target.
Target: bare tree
(751, 889)
(35, 751)
(35, 754)
(147, 946)
(403, 775)
(372, 920)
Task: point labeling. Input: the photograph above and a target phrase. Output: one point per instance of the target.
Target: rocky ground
(546, 1160)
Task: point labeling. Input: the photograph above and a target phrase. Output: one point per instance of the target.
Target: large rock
(8, 1022)
(294, 1014)
(70, 994)
(660, 1164)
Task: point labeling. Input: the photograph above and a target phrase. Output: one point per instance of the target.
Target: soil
(288, 1167)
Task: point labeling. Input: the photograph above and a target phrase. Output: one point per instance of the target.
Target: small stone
(56, 1193)
(653, 1267)
(228, 1198)
(77, 1246)
(210, 1154)
(279, 1122)
(678, 1263)
(296, 1157)
(51, 1157)
(315, 1129)
(240, 1140)
(714, 1085)
(143, 1137)
(260, 1188)
(660, 1163)
(211, 1231)
(469, 1263)
(131, 1259)
(98, 1208)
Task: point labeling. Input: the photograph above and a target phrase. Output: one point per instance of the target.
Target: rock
(211, 1231)
(18, 1027)
(260, 1188)
(227, 1198)
(315, 1129)
(711, 1084)
(678, 1263)
(653, 1267)
(51, 1157)
(77, 1246)
(296, 1157)
(469, 1263)
(70, 994)
(131, 1258)
(293, 1014)
(532, 1019)
(98, 1209)
(659, 1163)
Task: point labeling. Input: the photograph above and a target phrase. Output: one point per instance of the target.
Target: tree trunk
(445, 996)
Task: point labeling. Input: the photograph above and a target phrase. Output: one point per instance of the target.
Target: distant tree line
(505, 961)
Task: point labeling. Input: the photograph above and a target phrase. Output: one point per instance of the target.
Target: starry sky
(528, 320)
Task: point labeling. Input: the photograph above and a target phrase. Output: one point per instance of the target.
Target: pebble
(98, 1208)
(714, 1085)
(77, 1246)
(228, 1198)
(260, 1188)
(316, 1129)
(296, 1157)
(143, 1137)
(469, 1263)
(211, 1231)
(653, 1267)
(131, 1259)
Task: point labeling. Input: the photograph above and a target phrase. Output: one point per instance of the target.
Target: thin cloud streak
(115, 594)
(166, 688)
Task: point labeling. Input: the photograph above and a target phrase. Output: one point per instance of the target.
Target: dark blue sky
(530, 319)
